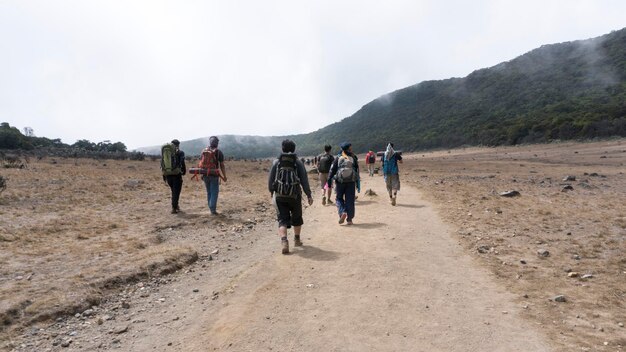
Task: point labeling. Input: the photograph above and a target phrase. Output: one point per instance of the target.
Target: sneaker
(393, 201)
(349, 222)
(174, 211)
(324, 200)
(297, 242)
(342, 218)
(285, 246)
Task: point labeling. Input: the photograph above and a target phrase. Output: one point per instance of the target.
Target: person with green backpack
(173, 169)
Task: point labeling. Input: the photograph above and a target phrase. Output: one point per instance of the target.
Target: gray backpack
(346, 171)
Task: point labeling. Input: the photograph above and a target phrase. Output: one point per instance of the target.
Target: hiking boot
(393, 201)
(285, 246)
(324, 200)
(349, 222)
(174, 211)
(342, 218)
(297, 242)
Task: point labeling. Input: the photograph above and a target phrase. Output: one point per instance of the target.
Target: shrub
(3, 184)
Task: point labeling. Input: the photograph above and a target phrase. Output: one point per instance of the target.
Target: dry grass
(71, 230)
(583, 229)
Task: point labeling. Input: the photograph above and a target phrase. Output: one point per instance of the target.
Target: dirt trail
(394, 281)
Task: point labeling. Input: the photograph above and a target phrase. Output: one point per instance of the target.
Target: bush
(3, 184)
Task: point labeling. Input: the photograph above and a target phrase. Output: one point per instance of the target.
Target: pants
(345, 198)
(176, 185)
(370, 168)
(212, 184)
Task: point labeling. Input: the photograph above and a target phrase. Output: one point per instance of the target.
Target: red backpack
(209, 162)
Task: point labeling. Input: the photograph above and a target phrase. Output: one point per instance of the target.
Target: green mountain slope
(562, 91)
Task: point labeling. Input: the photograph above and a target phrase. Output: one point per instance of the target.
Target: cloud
(144, 72)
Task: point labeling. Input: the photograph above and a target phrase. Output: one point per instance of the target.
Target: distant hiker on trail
(212, 160)
(287, 180)
(324, 162)
(345, 173)
(370, 161)
(173, 168)
(390, 170)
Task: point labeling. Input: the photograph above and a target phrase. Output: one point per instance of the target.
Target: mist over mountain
(565, 91)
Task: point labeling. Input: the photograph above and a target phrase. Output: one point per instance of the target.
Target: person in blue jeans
(213, 161)
(345, 173)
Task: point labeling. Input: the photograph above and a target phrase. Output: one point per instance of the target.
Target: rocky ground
(92, 259)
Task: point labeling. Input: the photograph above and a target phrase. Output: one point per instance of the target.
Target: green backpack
(170, 165)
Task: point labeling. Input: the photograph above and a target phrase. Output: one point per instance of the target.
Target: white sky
(144, 72)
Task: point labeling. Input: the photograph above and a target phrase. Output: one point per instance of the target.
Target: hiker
(324, 162)
(390, 161)
(345, 173)
(173, 169)
(212, 159)
(370, 162)
(287, 180)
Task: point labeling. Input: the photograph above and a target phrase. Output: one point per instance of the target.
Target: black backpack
(324, 164)
(287, 183)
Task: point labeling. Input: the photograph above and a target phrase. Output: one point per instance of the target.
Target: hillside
(572, 90)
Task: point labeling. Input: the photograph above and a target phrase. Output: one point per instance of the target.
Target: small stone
(522, 261)
(587, 276)
(88, 312)
(120, 329)
(66, 343)
(511, 193)
(569, 178)
(125, 305)
(543, 253)
(196, 290)
(559, 298)
(99, 321)
(73, 333)
(215, 251)
(572, 274)
(576, 257)
(620, 324)
(567, 188)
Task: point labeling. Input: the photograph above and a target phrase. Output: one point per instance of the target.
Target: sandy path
(395, 281)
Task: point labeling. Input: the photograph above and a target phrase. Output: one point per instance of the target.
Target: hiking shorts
(323, 179)
(289, 212)
(392, 182)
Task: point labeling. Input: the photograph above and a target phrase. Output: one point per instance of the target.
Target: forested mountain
(573, 90)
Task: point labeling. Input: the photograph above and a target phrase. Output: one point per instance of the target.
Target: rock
(196, 290)
(559, 298)
(215, 251)
(132, 184)
(99, 321)
(543, 253)
(576, 257)
(567, 188)
(621, 325)
(483, 249)
(510, 194)
(88, 312)
(587, 276)
(572, 274)
(569, 178)
(125, 305)
(370, 192)
(66, 343)
(120, 329)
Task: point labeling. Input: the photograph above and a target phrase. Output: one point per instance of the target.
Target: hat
(175, 142)
(345, 145)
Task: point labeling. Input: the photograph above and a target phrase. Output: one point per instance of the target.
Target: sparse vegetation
(3, 184)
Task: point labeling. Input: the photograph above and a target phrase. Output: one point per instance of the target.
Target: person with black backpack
(173, 169)
(324, 162)
(287, 179)
(345, 173)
